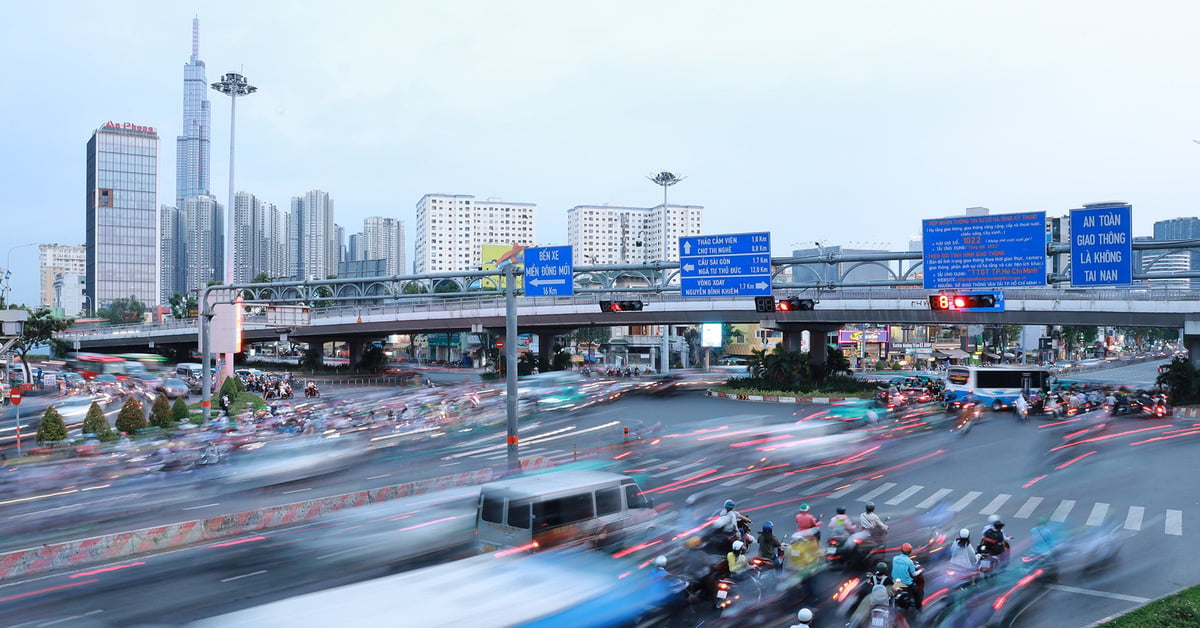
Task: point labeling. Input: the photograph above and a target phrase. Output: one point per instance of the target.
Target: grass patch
(1179, 610)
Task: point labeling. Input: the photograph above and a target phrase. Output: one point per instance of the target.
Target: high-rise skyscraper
(122, 245)
(192, 149)
(173, 252)
(205, 228)
(55, 260)
(313, 237)
(1187, 228)
(452, 229)
(259, 239)
(608, 234)
(383, 238)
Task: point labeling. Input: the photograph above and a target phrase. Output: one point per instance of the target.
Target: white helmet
(661, 562)
(804, 615)
(964, 533)
(993, 519)
(738, 545)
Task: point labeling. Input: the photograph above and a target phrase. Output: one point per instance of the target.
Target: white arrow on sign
(762, 285)
(689, 267)
(547, 282)
(687, 248)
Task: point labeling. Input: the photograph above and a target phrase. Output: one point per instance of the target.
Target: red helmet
(906, 548)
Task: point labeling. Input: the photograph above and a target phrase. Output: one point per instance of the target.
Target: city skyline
(805, 124)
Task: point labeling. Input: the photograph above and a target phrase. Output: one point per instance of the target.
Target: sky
(834, 122)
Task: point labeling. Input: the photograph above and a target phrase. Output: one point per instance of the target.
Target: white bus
(549, 509)
(995, 386)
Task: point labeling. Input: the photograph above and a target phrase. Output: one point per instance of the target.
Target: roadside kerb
(75, 554)
(776, 399)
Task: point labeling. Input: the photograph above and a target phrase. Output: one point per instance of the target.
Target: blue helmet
(729, 505)
(768, 526)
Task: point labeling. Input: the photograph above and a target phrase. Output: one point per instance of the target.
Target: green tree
(40, 326)
(179, 410)
(51, 429)
(836, 363)
(1076, 336)
(231, 386)
(96, 423)
(131, 418)
(413, 287)
(591, 336)
(373, 360)
(1181, 380)
(123, 310)
(182, 306)
(160, 412)
(562, 361)
(446, 285)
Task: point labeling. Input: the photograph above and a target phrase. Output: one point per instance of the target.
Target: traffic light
(764, 304)
(794, 304)
(621, 306)
(969, 302)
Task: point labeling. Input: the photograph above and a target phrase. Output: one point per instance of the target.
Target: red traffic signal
(962, 302)
(794, 304)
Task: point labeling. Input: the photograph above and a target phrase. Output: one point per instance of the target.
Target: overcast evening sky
(840, 122)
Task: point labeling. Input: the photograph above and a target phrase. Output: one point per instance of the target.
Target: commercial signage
(995, 251)
(729, 265)
(129, 126)
(549, 272)
(496, 257)
(869, 336)
(710, 335)
(1102, 245)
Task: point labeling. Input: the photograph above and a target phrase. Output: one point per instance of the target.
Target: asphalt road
(715, 449)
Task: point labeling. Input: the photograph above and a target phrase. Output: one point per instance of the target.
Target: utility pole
(666, 180)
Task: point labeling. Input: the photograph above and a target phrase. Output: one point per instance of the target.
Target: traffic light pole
(510, 364)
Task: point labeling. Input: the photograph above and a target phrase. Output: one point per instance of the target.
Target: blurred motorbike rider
(805, 617)
(805, 521)
(870, 522)
(1043, 537)
(739, 565)
(840, 526)
(906, 572)
(876, 590)
(770, 547)
(729, 520)
(962, 553)
(995, 543)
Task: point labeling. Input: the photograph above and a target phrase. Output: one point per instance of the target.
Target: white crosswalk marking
(905, 494)
(846, 489)
(770, 480)
(1028, 507)
(736, 480)
(1099, 512)
(996, 504)
(496, 456)
(816, 488)
(1064, 509)
(675, 470)
(966, 500)
(935, 498)
(651, 460)
(878, 490)
(1175, 522)
(1134, 520)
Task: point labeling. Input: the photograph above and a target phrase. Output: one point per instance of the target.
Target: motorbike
(1155, 407)
(311, 391)
(968, 416)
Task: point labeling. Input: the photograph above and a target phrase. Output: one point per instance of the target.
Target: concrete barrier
(776, 399)
(104, 548)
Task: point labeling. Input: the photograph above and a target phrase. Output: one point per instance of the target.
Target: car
(173, 387)
(72, 379)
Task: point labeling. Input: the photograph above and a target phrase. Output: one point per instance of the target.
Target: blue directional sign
(1102, 245)
(548, 272)
(994, 251)
(730, 265)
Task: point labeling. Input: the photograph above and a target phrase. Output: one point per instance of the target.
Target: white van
(549, 509)
(186, 370)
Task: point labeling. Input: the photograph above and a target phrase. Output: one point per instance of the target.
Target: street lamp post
(232, 85)
(666, 180)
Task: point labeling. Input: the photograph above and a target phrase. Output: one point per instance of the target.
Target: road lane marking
(299, 490)
(770, 480)
(905, 494)
(846, 489)
(935, 498)
(1099, 512)
(1064, 509)
(1115, 596)
(1027, 509)
(1134, 520)
(737, 480)
(966, 500)
(877, 491)
(1175, 522)
(996, 504)
(675, 470)
(199, 507)
(245, 575)
(376, 477)
(71, 618)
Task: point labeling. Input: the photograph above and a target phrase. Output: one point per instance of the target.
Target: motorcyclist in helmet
(805, 617)
(840, 526)
(876, 590)
(962, 553)
(995, 543)
(769, 547)
(729, 519)
(739, 565)
(906, 572)
(806, 523)
(870, 522)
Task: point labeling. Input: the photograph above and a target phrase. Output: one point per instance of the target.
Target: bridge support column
(356, 346)
(545, 346)
(314, 355)
(818, 340)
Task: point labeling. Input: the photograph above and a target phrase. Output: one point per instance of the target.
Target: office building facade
(121, 209)
(193, 149)
(451, 230)
(1187, 228)
(173, 252)
(260, 239)
(54, 260)
(204, 219)
(609, 234)
(313, 237)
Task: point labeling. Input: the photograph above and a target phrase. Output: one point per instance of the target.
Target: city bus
(996, 386)
(89, 365)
